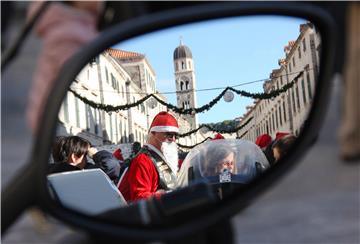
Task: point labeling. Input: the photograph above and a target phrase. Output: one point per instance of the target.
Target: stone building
(185, 82)
(287, 112)
(118, 77)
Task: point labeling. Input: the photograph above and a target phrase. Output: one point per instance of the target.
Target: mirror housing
(25, 194)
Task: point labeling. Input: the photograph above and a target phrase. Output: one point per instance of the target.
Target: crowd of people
(274, 149)
(152, 169)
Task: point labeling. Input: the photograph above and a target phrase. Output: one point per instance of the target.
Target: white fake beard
(170, 152)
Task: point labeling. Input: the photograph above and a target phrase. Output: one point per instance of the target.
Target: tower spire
(181, 40)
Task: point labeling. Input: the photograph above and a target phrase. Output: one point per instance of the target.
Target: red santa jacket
(141, 180)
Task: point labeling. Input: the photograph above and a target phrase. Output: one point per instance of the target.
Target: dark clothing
(108, 163)
(269, 153)
(65, 167)
(103, 160)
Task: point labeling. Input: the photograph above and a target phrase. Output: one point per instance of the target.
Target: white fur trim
(164, 129)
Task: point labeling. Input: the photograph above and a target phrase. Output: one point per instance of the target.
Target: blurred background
(318, 202)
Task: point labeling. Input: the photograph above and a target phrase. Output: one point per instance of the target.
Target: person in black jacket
(69, 153)
(107, 162)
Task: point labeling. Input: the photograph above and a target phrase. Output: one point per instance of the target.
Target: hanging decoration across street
(262, 95)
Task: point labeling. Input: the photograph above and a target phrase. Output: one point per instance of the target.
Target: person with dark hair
(69, 154)
(219, 158)
(268, 151)
(282, 145)
(57, 148)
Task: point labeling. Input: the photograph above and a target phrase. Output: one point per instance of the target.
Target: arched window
(181, 86)
(187, 85)
(183, 65)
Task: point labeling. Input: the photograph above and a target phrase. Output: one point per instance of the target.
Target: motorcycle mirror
(241, 70)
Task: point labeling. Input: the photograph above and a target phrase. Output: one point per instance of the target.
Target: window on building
(297, 96)
(96, 119)
(66, 109)
(293, 100)
(183, 65)
(303, 90)
(113, 81)
(142, 108)
(289, 67)
(187, 85)
(176, 66)
(299, 52)
(284, 110)
(280, 116)
(111, 137)
(181, 86)
(281, 80)
(107, 75)
(293, 59)
(276, 118)
(304, 45)
(120, 129)
(116, 129)
(87, 116)
(77, 113)
(309, 85)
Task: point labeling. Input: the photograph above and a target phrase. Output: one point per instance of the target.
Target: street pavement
(317, 202)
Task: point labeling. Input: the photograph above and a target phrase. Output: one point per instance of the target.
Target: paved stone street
(318, 202)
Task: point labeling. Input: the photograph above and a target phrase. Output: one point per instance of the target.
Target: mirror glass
(240, 90)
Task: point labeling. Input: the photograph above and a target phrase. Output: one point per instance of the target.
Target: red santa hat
(281, 135)
(164, 122)
(263, 140)
(218, 136)
(117, 154)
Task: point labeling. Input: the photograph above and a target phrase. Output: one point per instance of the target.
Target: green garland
(190, 147)
(110, 108)
(215, 130)
(243, 134)
(212, 129)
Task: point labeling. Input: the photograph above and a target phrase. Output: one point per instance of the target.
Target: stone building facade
(115, 77)
(185, 82)
(287, 112)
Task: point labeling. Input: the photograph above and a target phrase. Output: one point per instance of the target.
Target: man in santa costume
(153, 170)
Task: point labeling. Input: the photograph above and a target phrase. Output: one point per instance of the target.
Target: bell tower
(185, 81)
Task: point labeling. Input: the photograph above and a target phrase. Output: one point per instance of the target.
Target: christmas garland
(190, 147)
(243, 134)
(215, 130)
(212, 129)
(110, 108)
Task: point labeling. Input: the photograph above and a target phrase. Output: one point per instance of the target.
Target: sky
(225, 52)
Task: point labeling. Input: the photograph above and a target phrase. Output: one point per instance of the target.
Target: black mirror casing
(31, 187)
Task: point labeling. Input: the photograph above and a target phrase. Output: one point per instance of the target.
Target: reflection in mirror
(237, 92)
